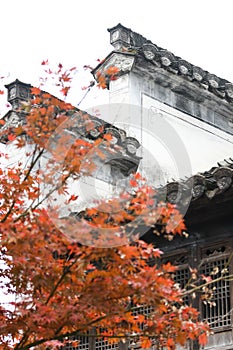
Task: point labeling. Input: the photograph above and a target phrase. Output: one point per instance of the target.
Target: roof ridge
(127, 40)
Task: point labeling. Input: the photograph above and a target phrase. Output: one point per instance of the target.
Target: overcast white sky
(75, 33)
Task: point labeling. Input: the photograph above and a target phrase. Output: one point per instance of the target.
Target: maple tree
(60, 287)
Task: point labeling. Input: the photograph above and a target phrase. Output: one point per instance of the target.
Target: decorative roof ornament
(213, 80)
(149, 51)
(122, 38)
(166, 58)
(116, 135)
(223, 177)
(131, 145)
(17, 93)
(174, 191)
(198, 186)
(184, 67)
(126, 41)
(119, 37)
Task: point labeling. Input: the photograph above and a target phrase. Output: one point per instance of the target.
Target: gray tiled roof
(207, 184)
(133, 42)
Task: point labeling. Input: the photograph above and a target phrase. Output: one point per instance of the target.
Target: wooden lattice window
(218, 310)
(182, 275)
(101, 344)
(144, 309)
(90, 343)
(83, 343)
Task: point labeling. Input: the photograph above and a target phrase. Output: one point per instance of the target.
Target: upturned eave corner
(123, 61)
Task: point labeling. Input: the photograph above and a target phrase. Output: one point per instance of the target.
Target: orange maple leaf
(112, 70)
(65, 90)
(72, 198)
(202, 339)
(107, 137)
(133, 183)
(170, 344)
(137, 176)
(146, 343)
(35, 91)
(11, 137)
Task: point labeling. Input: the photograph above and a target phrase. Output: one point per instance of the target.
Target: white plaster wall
(192, 140)
(174, 144)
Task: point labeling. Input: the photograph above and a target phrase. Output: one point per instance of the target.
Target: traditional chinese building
(190, 112)
(182, 116)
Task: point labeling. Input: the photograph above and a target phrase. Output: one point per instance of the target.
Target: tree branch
(33, 162)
